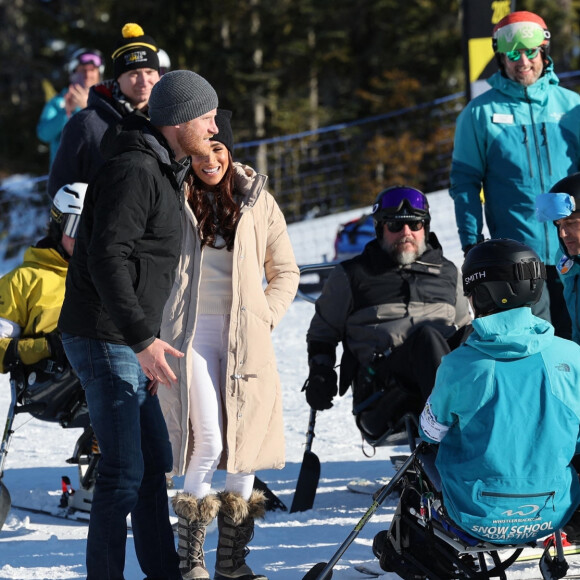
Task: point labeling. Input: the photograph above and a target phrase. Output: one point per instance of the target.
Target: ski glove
(57, 353)
(321, 387)
(12, 356)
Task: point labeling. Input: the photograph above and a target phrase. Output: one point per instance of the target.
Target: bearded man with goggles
(397, 308)
(515, 141)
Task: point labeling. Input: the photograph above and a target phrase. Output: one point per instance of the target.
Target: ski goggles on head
(394, 200)
(90, 58)
(68, 222)
(515, 55)
(397, 226)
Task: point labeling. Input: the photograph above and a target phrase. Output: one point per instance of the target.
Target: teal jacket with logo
(515, 142)
(505, 411)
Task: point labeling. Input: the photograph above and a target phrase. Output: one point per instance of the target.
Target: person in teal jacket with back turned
(516, 140)
(505, 408)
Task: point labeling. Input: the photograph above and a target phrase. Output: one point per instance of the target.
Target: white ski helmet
(164, 61)
(67, 206)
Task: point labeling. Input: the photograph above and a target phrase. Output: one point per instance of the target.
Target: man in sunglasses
(516, 140)
(397, 308)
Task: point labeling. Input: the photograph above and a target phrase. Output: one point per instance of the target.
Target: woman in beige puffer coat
(236, 278)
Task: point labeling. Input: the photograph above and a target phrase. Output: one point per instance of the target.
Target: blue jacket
(505, 410)
(515, 142)
(52, 121)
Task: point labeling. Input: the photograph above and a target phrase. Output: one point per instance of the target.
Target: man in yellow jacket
(31, 295)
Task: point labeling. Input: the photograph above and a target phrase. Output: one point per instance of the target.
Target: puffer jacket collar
(249, 183)
(136, 133)
(102, 96)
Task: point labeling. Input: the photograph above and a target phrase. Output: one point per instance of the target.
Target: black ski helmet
(502, 274)
(400, 203)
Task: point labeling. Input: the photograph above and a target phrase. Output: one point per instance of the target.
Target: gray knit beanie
(180, 96)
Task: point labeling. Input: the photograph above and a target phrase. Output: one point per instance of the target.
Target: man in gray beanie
(120, 276)
(183, 97)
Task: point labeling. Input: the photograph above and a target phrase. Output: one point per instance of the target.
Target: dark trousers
(408, 376)
(415, 363)
(135, 455)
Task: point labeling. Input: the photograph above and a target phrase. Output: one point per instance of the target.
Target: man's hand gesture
(154, 364)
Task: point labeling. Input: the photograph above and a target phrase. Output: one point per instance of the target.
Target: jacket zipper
(527, 144)
(518, 495)
(549, 159)
(536, 141)
(545, 135)
(539, 158)
(549, 495)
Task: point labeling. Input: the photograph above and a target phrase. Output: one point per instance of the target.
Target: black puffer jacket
(373, 304)
(128, 242)
(79, 157)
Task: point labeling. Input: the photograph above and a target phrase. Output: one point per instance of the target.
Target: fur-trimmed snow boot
(193, 517)
(236, 530)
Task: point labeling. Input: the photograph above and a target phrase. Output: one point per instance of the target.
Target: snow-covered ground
(285, 545)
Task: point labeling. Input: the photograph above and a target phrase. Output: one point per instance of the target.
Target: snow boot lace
(193, 517)
(236, 530)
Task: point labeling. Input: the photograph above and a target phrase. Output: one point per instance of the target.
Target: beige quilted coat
(253, 424)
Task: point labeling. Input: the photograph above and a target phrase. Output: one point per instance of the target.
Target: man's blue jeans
(135, 455)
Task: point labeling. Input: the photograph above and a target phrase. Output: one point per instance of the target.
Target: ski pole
(314, 573)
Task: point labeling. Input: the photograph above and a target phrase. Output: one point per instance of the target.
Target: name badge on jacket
(503, 119)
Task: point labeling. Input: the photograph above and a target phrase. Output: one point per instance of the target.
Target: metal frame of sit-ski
(451, 547)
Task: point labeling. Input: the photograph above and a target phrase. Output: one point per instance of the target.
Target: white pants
(205, 409)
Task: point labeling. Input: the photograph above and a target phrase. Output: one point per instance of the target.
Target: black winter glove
(11, 356)
(57, 353)
(321, 387)
(467, 248)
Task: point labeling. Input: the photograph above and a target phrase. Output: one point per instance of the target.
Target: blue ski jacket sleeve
(52, 121)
